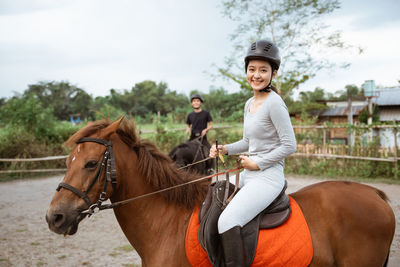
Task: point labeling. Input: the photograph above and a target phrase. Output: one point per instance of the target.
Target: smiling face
(259, 74)
(196, 103)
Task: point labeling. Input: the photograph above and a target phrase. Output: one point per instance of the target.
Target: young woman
(268, 137)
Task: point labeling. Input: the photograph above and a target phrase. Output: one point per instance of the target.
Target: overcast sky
(98, 45)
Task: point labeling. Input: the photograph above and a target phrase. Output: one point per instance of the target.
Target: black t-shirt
(198, 121)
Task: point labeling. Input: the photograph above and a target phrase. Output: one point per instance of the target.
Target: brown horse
(350, 224)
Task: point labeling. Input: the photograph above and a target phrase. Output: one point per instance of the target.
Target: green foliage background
(35, 124)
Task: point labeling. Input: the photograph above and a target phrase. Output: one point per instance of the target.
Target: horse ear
(112, 128)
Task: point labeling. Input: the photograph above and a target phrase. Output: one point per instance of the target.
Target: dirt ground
(25, 239)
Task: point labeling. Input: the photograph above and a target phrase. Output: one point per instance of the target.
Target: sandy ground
(25, 239)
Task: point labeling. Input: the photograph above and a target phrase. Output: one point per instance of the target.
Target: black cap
(196, 96)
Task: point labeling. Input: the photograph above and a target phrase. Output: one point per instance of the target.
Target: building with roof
(339, 112)
(388, 102)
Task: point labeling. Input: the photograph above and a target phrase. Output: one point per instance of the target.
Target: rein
(93, 208)
(194, 163)
(108, 162)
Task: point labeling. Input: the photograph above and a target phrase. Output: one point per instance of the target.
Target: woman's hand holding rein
(214, 150)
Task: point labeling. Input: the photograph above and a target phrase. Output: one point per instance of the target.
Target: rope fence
(393, 159)
(31, 160)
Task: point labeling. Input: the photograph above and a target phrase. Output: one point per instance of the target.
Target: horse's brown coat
(351, 224)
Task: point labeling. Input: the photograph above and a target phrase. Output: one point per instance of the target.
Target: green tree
(109, 112)
(350, 90)
(294, 25)
(28, 112)
(309, 101)
(2, 101)
(223, 105)
(65, 99)
(81, 103)
(150, 97)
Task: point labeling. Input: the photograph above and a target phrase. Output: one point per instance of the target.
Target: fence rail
(36, 170)
(333, 156)
(34, 159)
(325, 149)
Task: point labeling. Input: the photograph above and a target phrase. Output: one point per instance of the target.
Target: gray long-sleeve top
(268, 134)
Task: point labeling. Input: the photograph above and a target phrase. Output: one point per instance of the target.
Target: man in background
(199, 121)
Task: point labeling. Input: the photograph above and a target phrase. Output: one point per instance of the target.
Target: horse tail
(382, 195)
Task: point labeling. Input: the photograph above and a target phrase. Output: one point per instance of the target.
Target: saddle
(213, 205)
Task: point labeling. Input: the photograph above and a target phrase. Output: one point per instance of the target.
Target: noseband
(108, 162)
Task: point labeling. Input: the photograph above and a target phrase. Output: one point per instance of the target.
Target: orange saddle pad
(287, 245)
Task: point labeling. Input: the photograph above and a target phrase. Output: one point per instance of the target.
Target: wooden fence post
(396, 169)
(324, 140)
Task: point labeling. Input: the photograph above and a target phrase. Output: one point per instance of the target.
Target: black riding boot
(233, 247)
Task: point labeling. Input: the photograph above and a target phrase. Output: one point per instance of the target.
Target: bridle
(199, 141)
(111, 176)
(108, 163)
(199, 149)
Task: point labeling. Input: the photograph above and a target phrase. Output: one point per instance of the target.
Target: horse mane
(155, 167)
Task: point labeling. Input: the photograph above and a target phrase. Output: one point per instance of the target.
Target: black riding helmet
(196, 96)
(265, 50)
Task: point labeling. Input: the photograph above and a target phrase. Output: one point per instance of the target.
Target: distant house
(338, 113)
(388, 102)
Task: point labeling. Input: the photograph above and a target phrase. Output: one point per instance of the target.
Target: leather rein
(108, 164)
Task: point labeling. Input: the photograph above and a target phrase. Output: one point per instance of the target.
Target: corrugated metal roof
(341, 111)
(389, 114)
(387, 97)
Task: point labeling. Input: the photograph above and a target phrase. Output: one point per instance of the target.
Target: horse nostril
(58, 219)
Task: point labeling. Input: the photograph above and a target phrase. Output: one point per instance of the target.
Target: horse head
(110, 161)
(190, 152)
(85, 179)
(182, 154)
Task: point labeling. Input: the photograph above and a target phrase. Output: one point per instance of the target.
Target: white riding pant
(257, 190)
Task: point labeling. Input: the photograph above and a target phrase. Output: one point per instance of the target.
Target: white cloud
(379, 61)
(99, 45)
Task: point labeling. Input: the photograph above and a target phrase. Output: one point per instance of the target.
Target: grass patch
(126, 248)
(61, 257)
(114, 254)
(35, 243)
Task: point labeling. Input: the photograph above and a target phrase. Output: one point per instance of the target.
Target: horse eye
(91, 164)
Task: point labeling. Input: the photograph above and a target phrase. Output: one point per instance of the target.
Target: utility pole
(350, 121)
